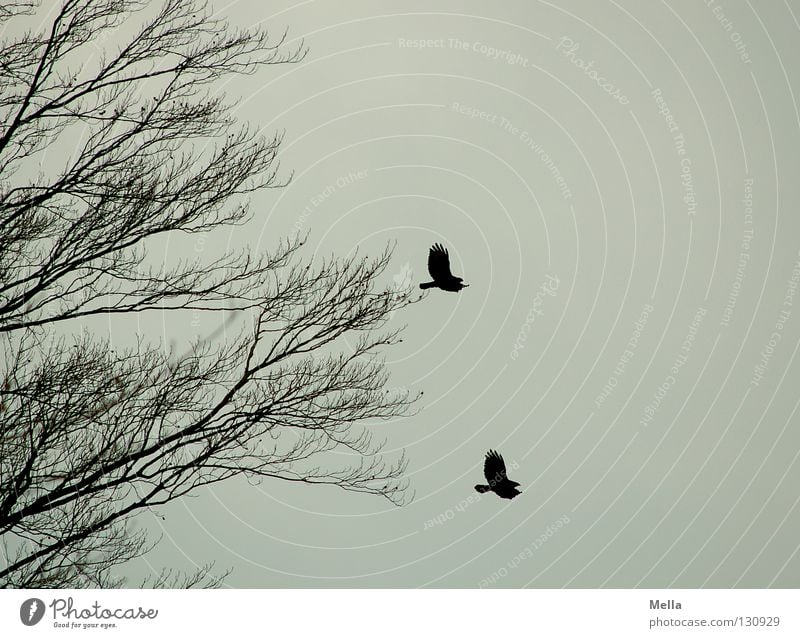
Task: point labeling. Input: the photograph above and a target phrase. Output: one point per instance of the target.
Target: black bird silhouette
(439, 268)
(494, 469)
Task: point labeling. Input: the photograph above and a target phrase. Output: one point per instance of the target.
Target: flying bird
(494, 469)
(439, 268)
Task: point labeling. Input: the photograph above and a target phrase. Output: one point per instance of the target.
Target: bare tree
(90, 437)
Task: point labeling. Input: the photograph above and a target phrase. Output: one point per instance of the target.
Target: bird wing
(494, 468)
(439, 262)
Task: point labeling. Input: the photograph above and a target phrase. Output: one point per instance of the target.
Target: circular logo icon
(31, 611)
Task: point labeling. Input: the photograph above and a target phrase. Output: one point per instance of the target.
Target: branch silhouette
(91, 437)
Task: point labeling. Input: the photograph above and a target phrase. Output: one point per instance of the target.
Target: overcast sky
(617, 182)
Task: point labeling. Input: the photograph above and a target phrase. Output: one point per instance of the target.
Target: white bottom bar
(351, 613)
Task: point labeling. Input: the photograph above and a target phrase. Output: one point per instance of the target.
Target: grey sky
(617, 183)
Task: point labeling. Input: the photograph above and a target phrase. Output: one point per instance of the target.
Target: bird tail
(482, 488)
(427, 284)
